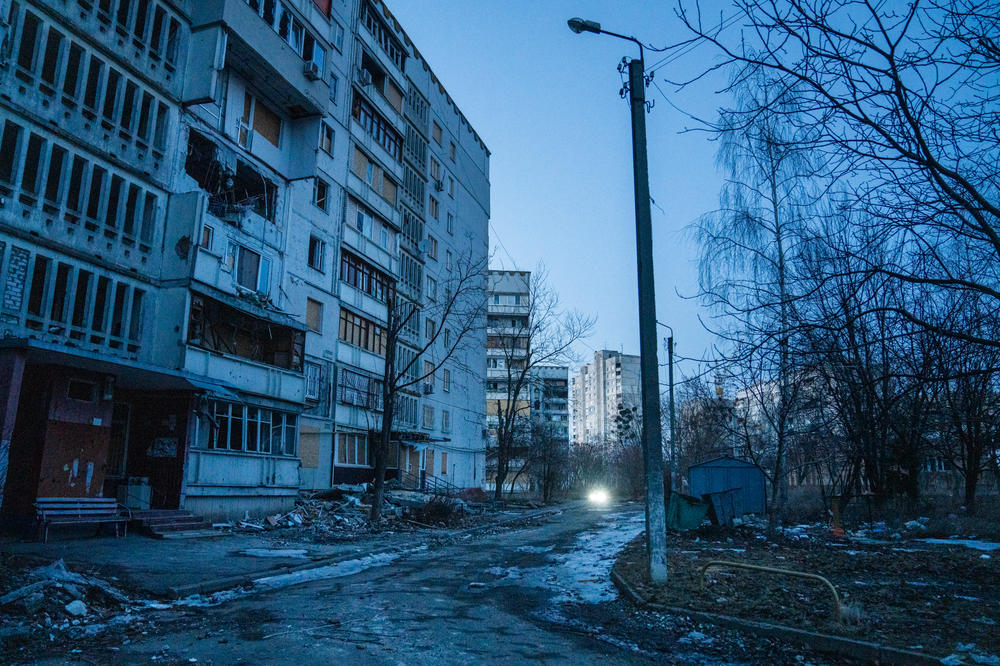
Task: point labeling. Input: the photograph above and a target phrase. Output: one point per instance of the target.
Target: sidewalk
(178, 567)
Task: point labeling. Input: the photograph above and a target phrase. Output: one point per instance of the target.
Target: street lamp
(652, 446)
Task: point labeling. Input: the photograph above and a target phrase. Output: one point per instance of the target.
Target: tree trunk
(971, 484)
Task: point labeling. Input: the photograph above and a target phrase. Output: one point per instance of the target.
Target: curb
(827, 643)
(219, 584)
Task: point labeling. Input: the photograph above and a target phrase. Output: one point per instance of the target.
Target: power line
(500, 242)
(723, 24)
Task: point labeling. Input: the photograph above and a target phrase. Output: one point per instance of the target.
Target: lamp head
(579, 25)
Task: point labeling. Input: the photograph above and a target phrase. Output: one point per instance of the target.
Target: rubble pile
(342, 513)
(54, 604)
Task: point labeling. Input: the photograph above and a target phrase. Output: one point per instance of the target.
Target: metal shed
(742, 478)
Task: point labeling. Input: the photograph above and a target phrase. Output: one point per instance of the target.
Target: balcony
(264, 58)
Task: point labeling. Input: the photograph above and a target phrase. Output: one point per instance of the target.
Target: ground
(937, 596)
(533, 592)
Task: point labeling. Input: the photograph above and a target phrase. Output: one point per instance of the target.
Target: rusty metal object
(786, 572)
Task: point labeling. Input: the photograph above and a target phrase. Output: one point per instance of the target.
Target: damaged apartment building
(204, 206)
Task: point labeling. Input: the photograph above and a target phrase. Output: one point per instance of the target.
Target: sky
(546, 103)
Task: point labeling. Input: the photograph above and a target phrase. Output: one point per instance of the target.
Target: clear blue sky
(546, 103)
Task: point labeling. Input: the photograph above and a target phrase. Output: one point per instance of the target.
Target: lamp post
(652, 443)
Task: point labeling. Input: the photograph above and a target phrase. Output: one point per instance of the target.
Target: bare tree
(544, 334)
(900, 103)
(457, 312)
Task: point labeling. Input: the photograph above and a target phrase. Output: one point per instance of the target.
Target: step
(178, 527)
(167, 520)
(192, 534)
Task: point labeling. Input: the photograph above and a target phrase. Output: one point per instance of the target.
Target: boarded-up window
(444, 460)
(393, 95)
(314, 315)
(266, 123)
(309, 449)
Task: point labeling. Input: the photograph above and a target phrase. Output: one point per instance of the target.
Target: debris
(477, 586)
(76, 607)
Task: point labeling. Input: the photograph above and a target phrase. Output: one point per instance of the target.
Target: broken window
(230, 194)
(238, 427)
(361, 332)
(317, 253)
(314, 315)
(352, 449)
(29, 42)
(252, 270)
(321, 193)
(221, 328)
(358, 389)
(50, 61)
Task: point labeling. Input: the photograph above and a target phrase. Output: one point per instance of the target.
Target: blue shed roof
(724, 461)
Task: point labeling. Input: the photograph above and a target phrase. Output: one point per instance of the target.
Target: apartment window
(445, 427)
(239, 427)
(429, 328)
(29, 42)
(374, 176)
(446, 380)
(252, 270)
(313, 373)
(207, 236)
(317, 253)
(446, 335)
(262, 120)
(360, 390)
(428, 417)
(447, 259)
(451, 187)
(451, 151)
(334, 86)
(50, 60)
(337, 35)
(450, 224)
(436, 133)
(363, 276)
(361, 332)
(314, 315)
(321, 193)
(435, 169)
(282, 20)
(434, 207)
(377, 126)
(432, 288)
(432, 247)
(352, 449)
(326, 138)
(382, 34)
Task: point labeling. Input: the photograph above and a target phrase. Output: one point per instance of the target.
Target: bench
(80, 511)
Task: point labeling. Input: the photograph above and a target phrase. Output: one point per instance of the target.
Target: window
(451, 187)
(450, 225)
(429, 328)
(334, 86)
(359, 389)
(446, 334)
(446, 380)
(434, 208)
(283, 22)
(207, 235)
(326, 138)
(447, 259)
(252, 270)
(261, 119)
(313, 374)
(238, 427)
(352, 449)
(428, 417)
(436, 133)
(445, 427)
(80, 390)
(374, 176)
(321, 193)
(451, 151)
(314, 315)
(29, 42)
(317, 253)
(337, 35)
(377, 126)
(363, 276)
(432, 288)
(435, 169)
(361, 332)
(382, 34)
(432, 247)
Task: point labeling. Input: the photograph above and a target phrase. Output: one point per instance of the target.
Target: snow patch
(297, 553)
(968, 543)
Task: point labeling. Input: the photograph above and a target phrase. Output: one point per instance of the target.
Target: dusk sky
(546, 103)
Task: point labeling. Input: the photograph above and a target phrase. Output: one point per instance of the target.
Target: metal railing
(785, 572)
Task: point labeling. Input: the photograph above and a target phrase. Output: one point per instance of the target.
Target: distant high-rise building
(601, 390)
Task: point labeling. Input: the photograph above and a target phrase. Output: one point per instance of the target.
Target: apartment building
(600, 391)
(550, 400)
(204, 207)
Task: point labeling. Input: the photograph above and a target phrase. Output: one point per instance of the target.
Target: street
(534, 594)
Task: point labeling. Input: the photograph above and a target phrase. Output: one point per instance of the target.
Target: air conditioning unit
(428, 388)
(364, 76)
(311, 70)
(439, 185)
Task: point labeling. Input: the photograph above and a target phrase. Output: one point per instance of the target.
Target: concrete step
(192, 534)
(172, 520)
(179, 527)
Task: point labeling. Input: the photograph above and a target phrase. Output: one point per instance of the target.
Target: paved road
(538, 594)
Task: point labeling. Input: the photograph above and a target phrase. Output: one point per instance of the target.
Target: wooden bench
(81, 511)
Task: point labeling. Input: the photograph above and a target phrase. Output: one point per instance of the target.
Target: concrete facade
(601, 389)
(203, 207)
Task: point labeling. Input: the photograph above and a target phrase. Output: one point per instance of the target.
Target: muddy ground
(937, 599)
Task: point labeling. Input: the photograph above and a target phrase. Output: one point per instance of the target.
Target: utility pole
(673, 427)
(652, 441)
